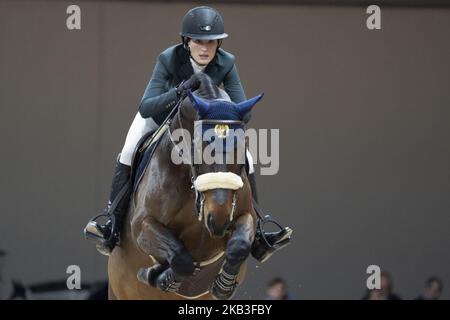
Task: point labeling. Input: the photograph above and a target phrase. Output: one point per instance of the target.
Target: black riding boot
(266, 243)
(106, 236)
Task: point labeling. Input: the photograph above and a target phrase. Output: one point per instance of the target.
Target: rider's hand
(192, 84)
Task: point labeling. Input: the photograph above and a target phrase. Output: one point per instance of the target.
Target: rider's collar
(197, 67)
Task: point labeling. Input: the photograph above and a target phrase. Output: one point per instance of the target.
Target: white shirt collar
(197, 68)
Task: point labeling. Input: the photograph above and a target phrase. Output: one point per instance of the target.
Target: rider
(177, 71)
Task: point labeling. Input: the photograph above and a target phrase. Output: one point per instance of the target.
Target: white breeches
(138, 129)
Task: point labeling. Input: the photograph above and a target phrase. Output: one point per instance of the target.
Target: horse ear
(200, 105)
(245, 106)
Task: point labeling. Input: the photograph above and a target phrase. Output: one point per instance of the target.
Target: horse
(189, 227)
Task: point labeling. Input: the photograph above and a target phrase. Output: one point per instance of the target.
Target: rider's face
(203, 51)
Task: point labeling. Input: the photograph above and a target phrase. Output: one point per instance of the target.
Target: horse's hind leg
(158, 241)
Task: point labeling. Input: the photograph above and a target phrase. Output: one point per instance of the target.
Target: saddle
(143, 153)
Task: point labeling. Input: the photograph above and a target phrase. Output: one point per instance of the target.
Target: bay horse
(189, 227)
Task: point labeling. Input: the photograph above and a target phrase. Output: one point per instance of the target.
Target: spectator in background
(433, 289)
(386, 289)
(277, 290)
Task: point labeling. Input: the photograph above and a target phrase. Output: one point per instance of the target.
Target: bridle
(199, 195)
(260, 235)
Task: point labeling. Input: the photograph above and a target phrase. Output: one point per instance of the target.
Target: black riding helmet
(202, 23)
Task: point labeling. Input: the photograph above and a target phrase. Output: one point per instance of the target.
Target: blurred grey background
(364, 133)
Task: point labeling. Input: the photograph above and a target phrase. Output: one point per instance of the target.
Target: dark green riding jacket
(173, 65)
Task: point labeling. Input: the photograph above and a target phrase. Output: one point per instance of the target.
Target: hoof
(149, 275)
(166, 281)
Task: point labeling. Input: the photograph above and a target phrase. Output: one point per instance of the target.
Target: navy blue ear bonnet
(222, 110)
(219, 110)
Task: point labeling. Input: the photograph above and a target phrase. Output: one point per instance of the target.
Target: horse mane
(207, 90)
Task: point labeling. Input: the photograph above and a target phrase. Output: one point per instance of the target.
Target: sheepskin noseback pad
(218, 180)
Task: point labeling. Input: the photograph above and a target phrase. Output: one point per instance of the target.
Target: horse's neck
(164, 152)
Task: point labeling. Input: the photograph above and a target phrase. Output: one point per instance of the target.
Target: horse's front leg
(174, 262)
(237, 251)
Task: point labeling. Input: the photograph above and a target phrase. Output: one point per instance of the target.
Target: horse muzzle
(220, 184)
(215, 230)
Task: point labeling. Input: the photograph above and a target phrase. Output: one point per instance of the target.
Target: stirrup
(104, 239)
(94, 230)
(267, 243)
